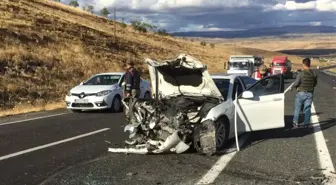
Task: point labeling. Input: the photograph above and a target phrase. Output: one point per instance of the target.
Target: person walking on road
(305, 83)
(132, 86)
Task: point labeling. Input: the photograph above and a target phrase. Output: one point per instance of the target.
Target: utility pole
(235, 48)
(115, 23)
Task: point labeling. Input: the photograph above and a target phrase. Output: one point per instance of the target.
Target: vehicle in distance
(101, 91)
(282, 65)
(243, 64)
(192, 108)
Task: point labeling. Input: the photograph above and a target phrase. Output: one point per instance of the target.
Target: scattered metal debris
(184, 94)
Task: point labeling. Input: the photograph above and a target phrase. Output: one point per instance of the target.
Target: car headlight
(103, 93)
(69, 93)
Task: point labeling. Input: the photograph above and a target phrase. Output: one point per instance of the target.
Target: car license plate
(81, 101)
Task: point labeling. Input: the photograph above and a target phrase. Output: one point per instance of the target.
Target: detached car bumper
(89, 102)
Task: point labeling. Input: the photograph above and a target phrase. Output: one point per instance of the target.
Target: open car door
(261, 106)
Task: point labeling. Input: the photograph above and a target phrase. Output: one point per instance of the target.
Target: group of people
(305, 83)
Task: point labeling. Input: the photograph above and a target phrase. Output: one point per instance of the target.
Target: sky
(220, 15)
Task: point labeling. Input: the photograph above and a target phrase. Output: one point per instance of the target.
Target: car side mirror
(247, 95)
(81, 83)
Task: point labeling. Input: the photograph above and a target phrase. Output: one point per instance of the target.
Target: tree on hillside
(142, 26)
(212, 45)
(162, 32)
(74, 3)
(90, 8)
(203, 43)
(104, 12)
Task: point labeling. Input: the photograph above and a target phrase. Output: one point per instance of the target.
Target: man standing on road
(132, 86)
(305, 83)
(132, 78)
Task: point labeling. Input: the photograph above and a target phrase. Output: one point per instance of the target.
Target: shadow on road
(310, 52)
(287, 132)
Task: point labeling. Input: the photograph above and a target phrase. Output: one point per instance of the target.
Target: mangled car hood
(184, 75)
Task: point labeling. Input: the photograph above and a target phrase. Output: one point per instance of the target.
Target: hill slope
(47, 48)
(259, 32)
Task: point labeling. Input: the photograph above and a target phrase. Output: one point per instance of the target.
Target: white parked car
(101, 91)
(191, 108)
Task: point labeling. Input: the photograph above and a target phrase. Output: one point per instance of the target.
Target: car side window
(268, 86)
(237, 86)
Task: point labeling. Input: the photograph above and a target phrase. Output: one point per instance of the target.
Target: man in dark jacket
(305, 83)
(132, 89)
(132, 79)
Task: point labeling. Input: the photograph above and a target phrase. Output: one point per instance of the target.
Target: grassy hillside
(47, 47)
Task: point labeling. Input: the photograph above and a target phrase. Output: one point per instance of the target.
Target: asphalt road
(280, 156)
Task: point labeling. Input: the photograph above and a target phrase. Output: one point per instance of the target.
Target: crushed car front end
(184, 93)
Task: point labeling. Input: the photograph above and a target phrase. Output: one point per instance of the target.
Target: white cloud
(226, 15)
(160, 5)
(319, 5)
(315, 23)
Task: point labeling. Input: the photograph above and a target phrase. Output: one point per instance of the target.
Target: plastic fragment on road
(172, 144)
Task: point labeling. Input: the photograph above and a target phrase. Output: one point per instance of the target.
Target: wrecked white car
(190, 110)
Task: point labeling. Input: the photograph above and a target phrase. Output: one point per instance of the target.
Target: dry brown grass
(27, 108)
(332, 70)
(291, 42)
(46, 48)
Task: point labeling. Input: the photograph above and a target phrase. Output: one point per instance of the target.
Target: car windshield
(223, 86)
(248, 81)
(103, 80)
(239, 65)
(279, 64)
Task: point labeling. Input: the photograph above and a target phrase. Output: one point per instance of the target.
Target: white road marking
(31, 119)
(322, 149)
(51, 144)
(222, 162)
(288, 88)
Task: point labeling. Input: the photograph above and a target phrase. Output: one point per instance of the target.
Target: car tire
(222, 133)
(221, 128)
(147, 96)
(116, 105)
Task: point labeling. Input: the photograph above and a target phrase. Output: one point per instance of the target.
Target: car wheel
(221, 133)
(210, 137)
(147, 96)
(116, 104)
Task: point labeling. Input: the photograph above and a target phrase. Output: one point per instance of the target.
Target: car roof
(223, 76)
(111, 73)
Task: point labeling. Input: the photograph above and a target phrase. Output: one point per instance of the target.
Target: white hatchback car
(101, 91)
